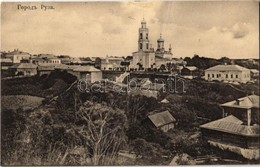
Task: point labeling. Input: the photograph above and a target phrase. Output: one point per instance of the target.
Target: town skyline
(225, 29)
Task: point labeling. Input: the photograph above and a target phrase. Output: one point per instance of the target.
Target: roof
(191, 68)
(165, 101)
(45, 68)
(227, 68)
(5, 60)
(161, 118)
(233, 125)
(24, 65)
(86, 69)
(17, 52)
(251, 101)
(254, 71)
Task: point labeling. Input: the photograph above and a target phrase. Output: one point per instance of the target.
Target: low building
(111, 63)
(189, 72)
(230, 73)
(44, 70)
(16, 56)
(25, 69)
(229, 133)
(5, 62)
(245, 108)
(254, 73)
(45, 61)
(162, 120)
(89, 73)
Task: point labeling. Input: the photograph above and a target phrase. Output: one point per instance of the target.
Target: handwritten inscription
(34, 7)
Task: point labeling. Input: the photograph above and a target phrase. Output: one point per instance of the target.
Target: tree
(103, 129)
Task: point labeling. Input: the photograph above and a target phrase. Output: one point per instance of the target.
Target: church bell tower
(143, 40)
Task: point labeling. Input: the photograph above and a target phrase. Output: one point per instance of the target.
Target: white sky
(211, 29)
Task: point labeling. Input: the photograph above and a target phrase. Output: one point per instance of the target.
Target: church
(147, 57)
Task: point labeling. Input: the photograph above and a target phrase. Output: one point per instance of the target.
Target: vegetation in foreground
(90, 128)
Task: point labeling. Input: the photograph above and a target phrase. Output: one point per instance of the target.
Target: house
(245, 108)
(230, 73)
(88, 73)
(162, 120)
(189, 72)
(44, 70)
(229, 133)
(5, 62)
(16, 56)
(254, 73)
(45, 61)
(25, 69)
(64, 59)
(111, 63)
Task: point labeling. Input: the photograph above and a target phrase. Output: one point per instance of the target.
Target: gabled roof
(233, 125)
(165, 101)
(5, 60)
(251, 101)
(17, 52)
(24, 65)
(191, 68)
(254, 70)
(227, 68)
(161, 118)
(86, 69)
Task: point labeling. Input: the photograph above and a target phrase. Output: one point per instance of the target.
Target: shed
(89, 73)
(162, 120)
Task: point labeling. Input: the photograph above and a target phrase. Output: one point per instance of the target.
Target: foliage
(151, 152)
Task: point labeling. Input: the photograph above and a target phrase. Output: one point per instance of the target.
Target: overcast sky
(211, 29)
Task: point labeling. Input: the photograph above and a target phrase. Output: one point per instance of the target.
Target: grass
(24, 102)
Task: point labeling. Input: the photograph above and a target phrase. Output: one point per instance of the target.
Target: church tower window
(141, 36)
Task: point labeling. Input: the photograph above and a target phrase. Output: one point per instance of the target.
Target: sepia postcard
(130, 83)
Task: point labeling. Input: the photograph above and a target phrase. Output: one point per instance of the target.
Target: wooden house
(162, 120)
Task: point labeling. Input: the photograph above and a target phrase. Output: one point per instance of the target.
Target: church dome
(160, 39)
(143, 22)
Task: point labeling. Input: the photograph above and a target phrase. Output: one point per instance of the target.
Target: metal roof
(162, 118)
(233, 125)
(86, 69)
(24, 65)
(227, 68)
(251, 101)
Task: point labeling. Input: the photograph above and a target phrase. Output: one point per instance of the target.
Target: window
(141, 36)
(141, 46)
(146, 35)
(236, 76)
(208, 75)
(219, 75)
(147, 46)
(226, 75)
(212, 75)
(231, 76)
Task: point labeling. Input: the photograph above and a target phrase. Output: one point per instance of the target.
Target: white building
(111, 63)
(230, 73)
(45, 61)
(16, 56)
